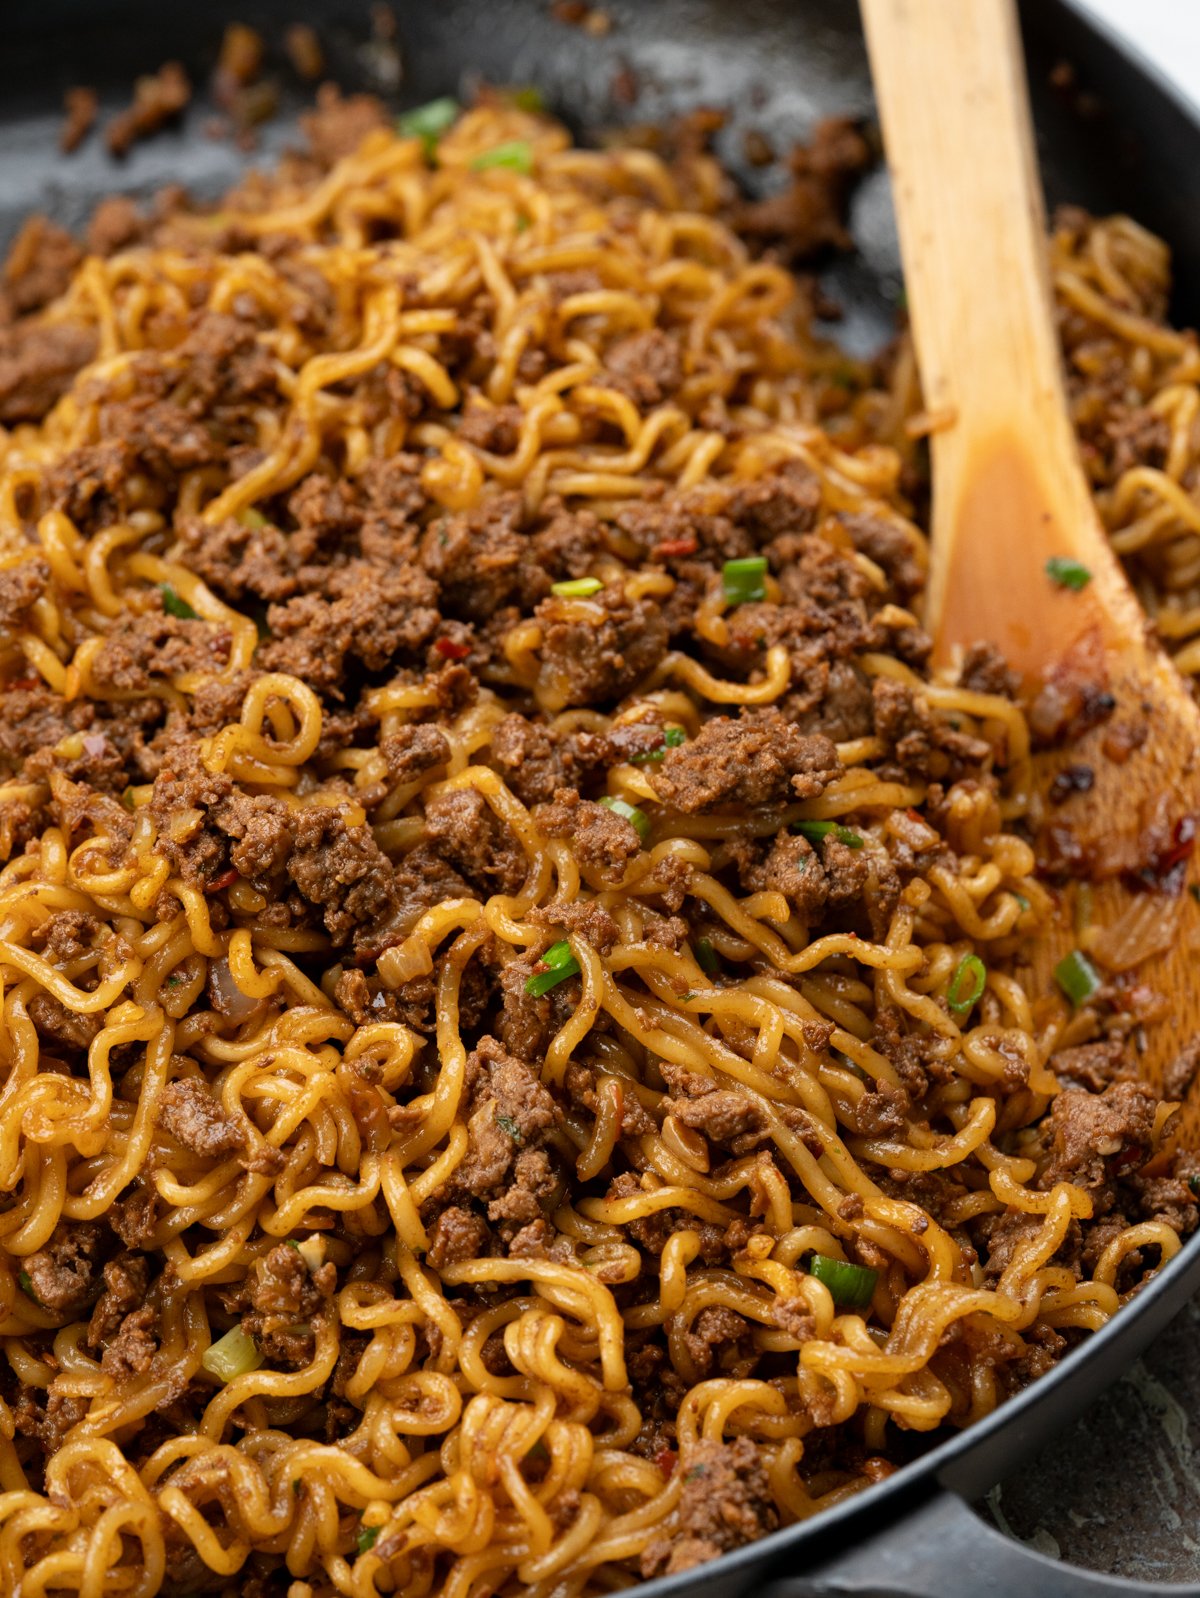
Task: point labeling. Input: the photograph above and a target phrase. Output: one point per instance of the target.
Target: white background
(1167, 31)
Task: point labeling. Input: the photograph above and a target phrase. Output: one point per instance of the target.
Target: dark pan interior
(776, 66)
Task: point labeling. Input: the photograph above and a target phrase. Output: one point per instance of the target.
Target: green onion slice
(562, 964)
(1077, 977)
(707, 957)
(527, 97)
(251, 517)
(429, 122)
(367, 1537)
(742, 580)
(815, 831)
(515, 156)
(967, 984)
(850, 1286)
(638, 819)
(1067, 573)
(232, 1355)
(577, 588)
(175, 605)
(25, 1283)
(672, 738)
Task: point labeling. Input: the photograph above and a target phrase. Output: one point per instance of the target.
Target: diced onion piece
(1147, 926)
(232, 1355)
(231, 1001)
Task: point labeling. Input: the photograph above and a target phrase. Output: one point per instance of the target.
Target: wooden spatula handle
(950, 85)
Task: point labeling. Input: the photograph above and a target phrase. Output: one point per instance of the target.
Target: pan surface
(776, 66)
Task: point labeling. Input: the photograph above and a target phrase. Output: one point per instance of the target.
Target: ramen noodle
(516, 1072)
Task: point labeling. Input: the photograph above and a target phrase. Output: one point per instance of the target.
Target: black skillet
(1116, 140)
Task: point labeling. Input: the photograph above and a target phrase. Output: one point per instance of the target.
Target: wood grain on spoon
(1010, 493)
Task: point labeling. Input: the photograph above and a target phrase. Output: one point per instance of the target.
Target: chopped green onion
(251, 517)
(672, 738)
(232, 1355)
(367, 1537)
(850, 1286)
(127, 797)
(638, 819)
(174, 605)
(1077, 977)
(742, 580)
(429, 122)
(507, 1124)
(516, 156)
(577, 588)
(815, 831)
(967, 984)
(1067, 573)
(707, 957)
(1022, 901)
(25, 1282)
(528, 97)
(562, 964)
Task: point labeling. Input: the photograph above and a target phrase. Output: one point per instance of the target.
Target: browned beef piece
(126, 1278)
(511, 1116)
(191, 1112)
(39, 265)
(985, 671)
(832, 697)
(481, 561)
(423, 879)
(60, 1026)
(19, 588)
(715, 1331)
(283, 1296)
(140, 648)
(881, 1113)
(224, 362)
(759, 759)
(36, 721)
(809, 215)
(81, 105)
(1094, 1065)
(792, 867)
(533, 760)
(492, 427)
(64, 1275)
(722, 1114)
(466, 831)
(412, 750)
(1169, 1199)
(338, 126)
(116, 222)
(157, 99)
(65, 936)
(88, 483)
(1181, 1073)
(923, 743)
(134, 1217)
(374, 616)
(51, 1425)
(596, 650)
(783, 501)
(891, 548)
(601, 841)
(584, 917)
(38, 364)
(131, 1352)
(342, 869)
(646, 366)
(726, 1501)
(1098, 1136)
(457, 1234)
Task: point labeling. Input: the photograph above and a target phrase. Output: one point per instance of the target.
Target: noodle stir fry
(515, 1068)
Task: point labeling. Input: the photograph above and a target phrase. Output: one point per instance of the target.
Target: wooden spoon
(1010, 494)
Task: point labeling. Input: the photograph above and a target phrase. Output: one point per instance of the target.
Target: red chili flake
(1167, 872)
(26, 684)
(677, 546)
(225, 880)
(451, 649)
(666, 1459)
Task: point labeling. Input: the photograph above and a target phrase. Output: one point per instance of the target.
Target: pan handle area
(942, 1549)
